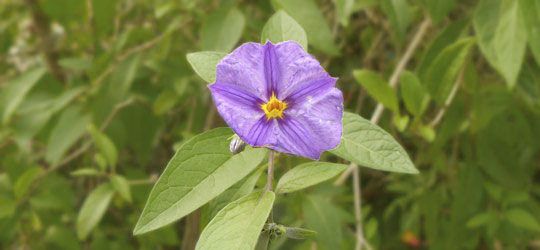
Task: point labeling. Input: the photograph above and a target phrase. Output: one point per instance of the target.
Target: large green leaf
(308, 14)
(444, 70)
(235, 192)
(238, 225)
(199, 171)
(14, 93)
(308, 174)
(204, 63)
(378, 88)
(413, 93)
(69, 128)
(502, 36)
(222, 29)
(530, 9)
(93, 209)
(368, 145)
(281, 27)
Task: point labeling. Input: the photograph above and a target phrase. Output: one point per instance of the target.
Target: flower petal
(297, 69)
(244, 67)
(313, 127)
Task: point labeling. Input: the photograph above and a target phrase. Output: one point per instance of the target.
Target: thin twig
(422, 30)
(270, 176)
(449, 99)
(360, 239)
(41, 23)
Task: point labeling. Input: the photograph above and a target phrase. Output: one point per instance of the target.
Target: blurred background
(100, 91)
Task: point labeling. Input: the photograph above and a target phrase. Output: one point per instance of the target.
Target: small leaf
(201, 169)
(93, 209)
(523, 219)
(480, 220)
(414, 95)
(121, 185)
(104, 145)
(204, 63)
(299, 233)
(444, 70)
(69, 128)
(502, 36)
(530, 9)
(326, 219)
(344, 10)
(238, 225)
(281, 27)
(308, 174)
(378, 88)
(85, 172)
(310, 17)
(399, 16)
(14, 93)
(370, 146)
(222, 29)
(25, 181)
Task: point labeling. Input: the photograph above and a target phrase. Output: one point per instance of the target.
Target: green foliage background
(96, 95)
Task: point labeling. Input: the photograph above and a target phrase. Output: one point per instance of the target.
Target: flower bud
(237, 145)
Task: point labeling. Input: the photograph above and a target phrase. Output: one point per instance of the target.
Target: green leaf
(502, 36)
(238, 225)
(104, 145)
(523, 219)
(530, 9)
(7, 207)
(240, 189)
(308, 174)
(325, 218)
(281, 27)
(444, 70)
(201, 169)
(222, 29)
(368, 145)
(308, 14)
(438, 9)
(85, 172)
(378, 88)
(14, 93)
(299, 233)
(449, 35)
(69, 128)
(481, 219)
(25, 181)
(399, 15)
(93, 209)
(344, 10)
(204, 63)
(121, 185)
(413, 93)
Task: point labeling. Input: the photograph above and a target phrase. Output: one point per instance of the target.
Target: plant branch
(449, 99)
(418, 37)
(47, 44)
(270, 176)
(360, 239)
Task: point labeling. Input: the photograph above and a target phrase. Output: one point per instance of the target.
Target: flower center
(274, 108)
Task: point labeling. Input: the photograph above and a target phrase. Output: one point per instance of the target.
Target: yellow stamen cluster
(274, 108)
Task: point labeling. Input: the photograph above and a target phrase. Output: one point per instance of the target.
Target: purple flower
(278, 96)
